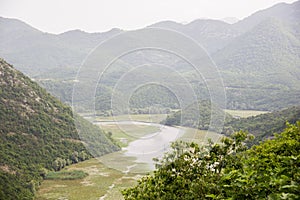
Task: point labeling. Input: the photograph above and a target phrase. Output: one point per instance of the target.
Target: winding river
(153, 145)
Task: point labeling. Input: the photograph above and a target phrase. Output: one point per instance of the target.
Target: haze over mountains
(258, 55)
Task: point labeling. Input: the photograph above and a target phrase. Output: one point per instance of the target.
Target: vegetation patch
(244, 113)
(199, 136)
(66, 175)
(127, 133)
(97, 184)
(151, 118)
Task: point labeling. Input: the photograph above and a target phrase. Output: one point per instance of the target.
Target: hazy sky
(56, 16)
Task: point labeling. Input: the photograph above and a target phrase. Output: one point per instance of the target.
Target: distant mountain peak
(15, 25)
(288, 13)
(166, 24)
(230, 20)
(206, 21)
(114, 30)
(296, 3)
(72, 32)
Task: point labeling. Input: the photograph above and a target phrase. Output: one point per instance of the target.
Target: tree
(82, 156)
(58, 164)
(74, 157)
(55, 165)
(270, 170)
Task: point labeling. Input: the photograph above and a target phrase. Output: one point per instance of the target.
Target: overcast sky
(57, 16)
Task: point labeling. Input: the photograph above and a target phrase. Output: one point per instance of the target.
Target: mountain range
(258, 57)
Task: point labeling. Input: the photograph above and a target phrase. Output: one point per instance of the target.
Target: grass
(117, 161)
(245, 113)
(199, 136)
(126, 133)
(151, 118)
(66, 175)
(98, 183)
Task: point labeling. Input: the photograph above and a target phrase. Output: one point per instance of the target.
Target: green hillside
(265, 125)
(268, 53)
(261, 67)
(36, 130)
(153, 96)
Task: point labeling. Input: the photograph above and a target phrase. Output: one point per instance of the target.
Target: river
(153, 145)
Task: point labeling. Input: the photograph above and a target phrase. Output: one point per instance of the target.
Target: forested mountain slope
(35, 130)
(261, 68)
(289, 13)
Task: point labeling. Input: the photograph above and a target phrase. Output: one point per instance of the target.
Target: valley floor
(110, 174)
